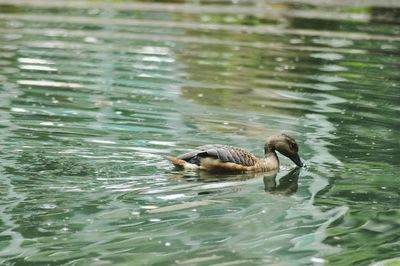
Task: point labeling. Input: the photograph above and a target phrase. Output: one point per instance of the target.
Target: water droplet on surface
(91, 39)
(48, 206)
(317, 260)
(327, 56)
(46, 123)
(149, 207)
(172, 197)
(18, 110)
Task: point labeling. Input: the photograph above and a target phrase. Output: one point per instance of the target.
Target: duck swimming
(223, 158)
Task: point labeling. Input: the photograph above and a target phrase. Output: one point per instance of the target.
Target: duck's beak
(296, 159)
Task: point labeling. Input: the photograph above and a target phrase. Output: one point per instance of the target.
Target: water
(94, 94)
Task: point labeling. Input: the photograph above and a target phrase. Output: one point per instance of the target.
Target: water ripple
(96, 93)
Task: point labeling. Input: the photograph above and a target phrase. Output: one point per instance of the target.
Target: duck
(224, 158)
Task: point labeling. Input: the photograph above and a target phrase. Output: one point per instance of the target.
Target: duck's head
(285, 145)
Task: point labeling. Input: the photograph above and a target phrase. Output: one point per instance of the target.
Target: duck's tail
(181, 163)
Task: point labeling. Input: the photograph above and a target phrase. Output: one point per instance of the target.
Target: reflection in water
(209, 177)
(287, 186)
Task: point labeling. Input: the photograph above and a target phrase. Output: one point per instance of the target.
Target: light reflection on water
(94, 96)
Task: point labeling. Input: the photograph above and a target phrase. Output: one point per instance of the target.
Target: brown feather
(215, 165)
(177, 162)
(223, 158)
(181, 163)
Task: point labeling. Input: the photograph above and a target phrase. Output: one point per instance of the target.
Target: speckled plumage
(222, 152)
(223, 158)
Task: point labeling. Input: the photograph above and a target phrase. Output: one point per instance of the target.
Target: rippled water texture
(94, 94)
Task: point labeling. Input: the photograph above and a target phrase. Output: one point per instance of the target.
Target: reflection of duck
(211, 177)
(287, 184)
(221, 158)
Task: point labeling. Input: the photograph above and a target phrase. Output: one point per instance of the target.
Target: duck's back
(224, 153)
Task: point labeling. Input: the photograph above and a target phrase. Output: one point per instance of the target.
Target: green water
(94, 94)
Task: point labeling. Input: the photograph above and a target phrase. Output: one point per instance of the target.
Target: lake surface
(94, 94)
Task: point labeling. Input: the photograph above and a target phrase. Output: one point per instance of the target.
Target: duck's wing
(226, 154)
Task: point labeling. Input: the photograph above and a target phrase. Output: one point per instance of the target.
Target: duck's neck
(270, 161)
